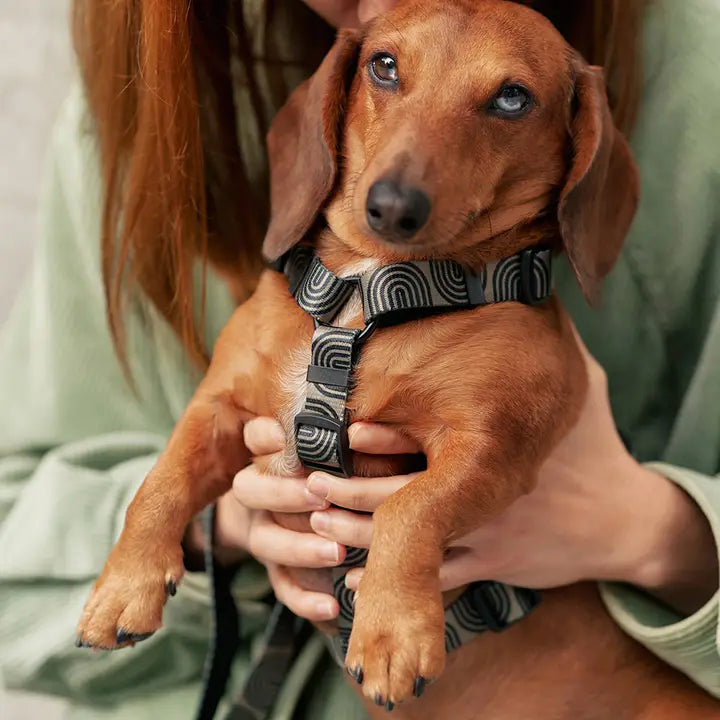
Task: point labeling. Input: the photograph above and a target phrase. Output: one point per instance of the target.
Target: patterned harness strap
(390, 294)
(393, 294)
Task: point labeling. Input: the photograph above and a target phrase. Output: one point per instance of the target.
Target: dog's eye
(383, 70)
(512, 101)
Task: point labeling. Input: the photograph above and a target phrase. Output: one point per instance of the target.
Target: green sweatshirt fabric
(75, 442)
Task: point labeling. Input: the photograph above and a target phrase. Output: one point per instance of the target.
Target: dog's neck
(344, 259)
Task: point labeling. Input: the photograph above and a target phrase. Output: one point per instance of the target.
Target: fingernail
(330, 552)
(319, 484)
(319, 521)
(325, 609)
(355, 433)
(314, 502)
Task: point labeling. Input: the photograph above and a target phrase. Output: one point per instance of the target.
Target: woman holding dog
(170, 126)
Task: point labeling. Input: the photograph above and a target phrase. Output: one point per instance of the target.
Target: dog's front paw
(126, 602)
(397, 643)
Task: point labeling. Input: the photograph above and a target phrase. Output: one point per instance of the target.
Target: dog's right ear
(303, 145)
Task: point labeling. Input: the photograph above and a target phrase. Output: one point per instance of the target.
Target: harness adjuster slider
(342, 447)
(320, 375)
(528, 286)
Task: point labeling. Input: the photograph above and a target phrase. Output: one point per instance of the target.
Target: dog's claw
(123, 637)
(379, 700)
(79, 642)
(389, 706)
(419, 687)
(171, 588)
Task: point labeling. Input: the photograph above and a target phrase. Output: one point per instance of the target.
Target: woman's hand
(596, 514)
(267, 517)
(349, 13)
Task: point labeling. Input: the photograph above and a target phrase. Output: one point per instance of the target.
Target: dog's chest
(292, 377)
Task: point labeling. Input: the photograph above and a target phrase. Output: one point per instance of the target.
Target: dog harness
(390, 295)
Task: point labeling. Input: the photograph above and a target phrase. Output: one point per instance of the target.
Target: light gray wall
(35, 73)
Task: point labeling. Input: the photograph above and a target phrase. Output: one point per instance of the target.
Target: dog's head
(443, 125)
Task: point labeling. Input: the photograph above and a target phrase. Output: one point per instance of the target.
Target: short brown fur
(486, 393)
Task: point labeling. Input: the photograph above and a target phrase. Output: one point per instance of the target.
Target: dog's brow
(388, 40)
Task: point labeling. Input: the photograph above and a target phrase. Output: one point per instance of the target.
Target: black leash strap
(284, 637)
(225, 630)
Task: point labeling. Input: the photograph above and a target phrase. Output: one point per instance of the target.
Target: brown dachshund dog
(492, 136)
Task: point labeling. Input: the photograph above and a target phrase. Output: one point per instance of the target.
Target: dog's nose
(396, 211)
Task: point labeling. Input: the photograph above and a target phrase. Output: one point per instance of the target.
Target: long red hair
(159, 84)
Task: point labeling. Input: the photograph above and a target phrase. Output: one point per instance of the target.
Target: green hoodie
(75, 442)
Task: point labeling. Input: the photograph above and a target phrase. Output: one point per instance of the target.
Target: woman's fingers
(349, 13)
(314, 606)
(263, 436)
(460, 568)
(376, 439)
(361, 494)
(269, 542)
(353, 577)
(277, 494)
(344, 527)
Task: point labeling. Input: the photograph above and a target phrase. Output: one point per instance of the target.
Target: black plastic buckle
(365, 333)
(342, 447)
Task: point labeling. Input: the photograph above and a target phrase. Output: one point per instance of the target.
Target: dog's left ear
(303, 146)
(601, 191)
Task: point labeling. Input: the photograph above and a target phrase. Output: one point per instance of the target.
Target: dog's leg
(146, 564)
(203, 454)
(398, 638)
